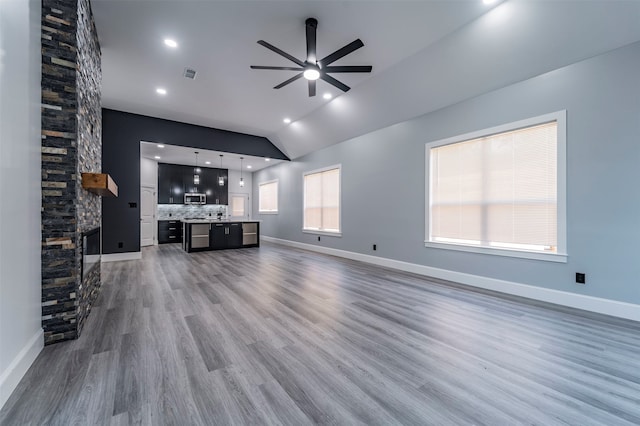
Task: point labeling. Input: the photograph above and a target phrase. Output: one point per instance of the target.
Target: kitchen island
(211, 234)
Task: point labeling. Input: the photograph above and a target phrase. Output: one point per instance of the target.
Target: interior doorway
(147, 215)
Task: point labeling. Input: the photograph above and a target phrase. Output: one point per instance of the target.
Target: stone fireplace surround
(71, 144)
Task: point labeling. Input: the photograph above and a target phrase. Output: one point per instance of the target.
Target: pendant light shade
(241, 178)
(196, 172)
(221, 177)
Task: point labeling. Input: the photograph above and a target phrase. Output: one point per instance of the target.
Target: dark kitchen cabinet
(225, 236)
(170, 184)
(220, 236)
(174, 180)
(234, 236)
(216, 194)
(209, 184)
(187, 181)
(169, 231)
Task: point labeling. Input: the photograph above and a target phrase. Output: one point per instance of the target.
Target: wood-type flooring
(275, 335)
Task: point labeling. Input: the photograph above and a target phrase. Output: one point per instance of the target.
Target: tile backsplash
(181, 211)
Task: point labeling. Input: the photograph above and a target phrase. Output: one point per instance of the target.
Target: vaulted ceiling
(425, 55)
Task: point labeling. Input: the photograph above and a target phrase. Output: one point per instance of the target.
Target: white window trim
(277, 210)
(326, 233)
(561, 255)
(321, 232)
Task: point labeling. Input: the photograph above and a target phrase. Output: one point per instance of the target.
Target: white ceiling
(426, 54)
(173, 154)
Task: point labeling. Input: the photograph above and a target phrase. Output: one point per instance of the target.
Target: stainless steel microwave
(194, 198)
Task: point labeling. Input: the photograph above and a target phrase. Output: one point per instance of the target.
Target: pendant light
(221, 177)
(196, 172)
(241, 178)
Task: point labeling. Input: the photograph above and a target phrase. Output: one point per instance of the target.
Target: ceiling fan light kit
(313, 69)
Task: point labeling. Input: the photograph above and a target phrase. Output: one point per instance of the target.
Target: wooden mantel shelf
(100, 183)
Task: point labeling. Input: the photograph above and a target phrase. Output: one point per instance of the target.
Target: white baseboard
(564, 298)
(10, 378)
(117, 257)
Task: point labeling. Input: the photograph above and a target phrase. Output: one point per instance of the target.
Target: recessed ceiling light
(287, 120)
(267, 159)
(157, 157)
(170, 43)
(249, 167)
(327, 96)
(161, 91)
(160, 146)
(207, 162)
(488, 1)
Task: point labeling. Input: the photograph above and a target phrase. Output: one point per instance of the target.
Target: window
(500, 190)
(238, 205)
(268, 197)
(322, 201)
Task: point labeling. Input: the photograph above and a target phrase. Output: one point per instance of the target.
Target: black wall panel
(121, 136)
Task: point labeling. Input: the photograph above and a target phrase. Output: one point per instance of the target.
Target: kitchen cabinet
(220, 236)
(174, 180)
(170, 184)
(169, 231)
(216, 194)
(234, 235)
(187, 180)
(225, 236)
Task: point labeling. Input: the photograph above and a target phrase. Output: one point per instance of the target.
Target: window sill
(268, 212)
(547, 257)
(329, 234)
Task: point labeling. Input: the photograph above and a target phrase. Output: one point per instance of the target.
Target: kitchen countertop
(216, 221)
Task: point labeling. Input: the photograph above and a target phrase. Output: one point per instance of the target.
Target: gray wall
(20, 313)
(383, 189)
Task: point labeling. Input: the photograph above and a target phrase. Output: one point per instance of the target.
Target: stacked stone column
(71, 144)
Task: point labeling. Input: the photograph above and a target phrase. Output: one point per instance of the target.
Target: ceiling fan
(312, 68)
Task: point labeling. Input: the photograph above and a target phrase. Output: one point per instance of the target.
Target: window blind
(322, 201)
(237, 206)
(497, 191)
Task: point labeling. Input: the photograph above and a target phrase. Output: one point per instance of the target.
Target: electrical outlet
(375, 247)
(581, 278)
(120, 244)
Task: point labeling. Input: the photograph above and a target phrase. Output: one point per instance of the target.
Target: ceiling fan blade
(312, 26)
(334, 82)
(349, 68)
(312, 88)
(291, 80)
(262, 67)
(280, 52)
(343, 51)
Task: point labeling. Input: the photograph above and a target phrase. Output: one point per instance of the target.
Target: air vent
(190, 73)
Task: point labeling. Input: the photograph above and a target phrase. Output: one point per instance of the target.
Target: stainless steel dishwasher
(200, 235)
